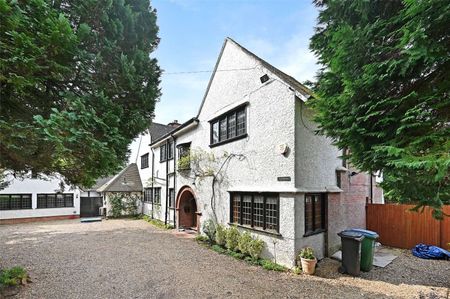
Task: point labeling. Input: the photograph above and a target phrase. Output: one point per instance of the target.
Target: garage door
(89, 206)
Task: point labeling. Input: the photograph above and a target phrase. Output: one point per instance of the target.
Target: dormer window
(229, 126)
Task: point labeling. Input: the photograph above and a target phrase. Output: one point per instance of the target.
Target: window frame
(225, 118)
(10, 195)
(144, 158)
(154, 196)
(323, 213)
(56, 198)
(166, 151)
(148, 192)
(171, 198)
(252, 226)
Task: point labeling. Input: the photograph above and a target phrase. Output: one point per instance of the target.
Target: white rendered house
(251, 158)
(43, 198)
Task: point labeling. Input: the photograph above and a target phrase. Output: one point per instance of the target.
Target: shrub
(255, 248)
(297, 270)
(218, 249)
(269, 265)
(157, 223)
(244, 242)
(232, 238)
(116, 203)
(13, 276)
(209, 228)
(236, 255)
(221, 235)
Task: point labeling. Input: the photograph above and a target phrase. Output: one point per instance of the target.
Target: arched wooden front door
(188, 216)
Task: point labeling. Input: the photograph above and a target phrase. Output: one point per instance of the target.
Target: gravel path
(131, 259)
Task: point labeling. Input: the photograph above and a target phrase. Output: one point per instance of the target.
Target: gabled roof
(100, 182)
(157, 130)
(174, 130)
(292, 82)
(128, 180)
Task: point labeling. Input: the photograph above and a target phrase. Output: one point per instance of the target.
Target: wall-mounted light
(264, 78)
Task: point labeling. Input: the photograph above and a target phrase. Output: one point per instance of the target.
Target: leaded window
(144, 161)
(157, 196)
(171, 198)
(229, 126)
(148, 195)
(257, 210)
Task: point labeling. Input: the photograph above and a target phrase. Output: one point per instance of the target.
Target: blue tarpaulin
(430, 252)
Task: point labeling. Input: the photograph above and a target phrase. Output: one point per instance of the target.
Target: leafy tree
(383, 92)
(77, 84)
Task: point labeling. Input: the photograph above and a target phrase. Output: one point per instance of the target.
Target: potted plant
(308, 260)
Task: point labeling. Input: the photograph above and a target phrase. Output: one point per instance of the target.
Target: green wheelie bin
(367, 247)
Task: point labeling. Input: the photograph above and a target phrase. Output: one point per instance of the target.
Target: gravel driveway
(132, 259)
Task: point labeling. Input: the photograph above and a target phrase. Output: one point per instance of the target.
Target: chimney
(174, 124)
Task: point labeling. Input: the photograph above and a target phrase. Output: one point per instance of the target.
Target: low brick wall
(37, 219)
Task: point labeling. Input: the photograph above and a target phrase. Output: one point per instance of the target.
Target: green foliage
(297, 270)
(209, 228)
(12, 276)
(307, 253)
(77, 85)
(236, 255)
(184, 163)
(244, 242)
(269, 265)
(383, 93)
(158, 223)
(201, 238)
(232, 239)
(218, 249)
(117, 206)
(221, 235)
(255, 248)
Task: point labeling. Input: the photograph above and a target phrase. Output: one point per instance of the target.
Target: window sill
(229, 140)
(57, 208)
(268, 232)
(316, 232)
(144, 167)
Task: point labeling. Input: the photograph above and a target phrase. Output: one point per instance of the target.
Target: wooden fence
(399, 227)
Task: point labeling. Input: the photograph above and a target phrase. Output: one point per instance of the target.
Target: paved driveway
(131, 259)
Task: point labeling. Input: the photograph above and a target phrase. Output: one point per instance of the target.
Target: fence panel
(399, 227)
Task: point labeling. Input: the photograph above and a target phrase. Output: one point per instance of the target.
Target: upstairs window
(229, 126)
(166, 151)
(314, 213)
(15, 201)
(144, 161)
(184, 156)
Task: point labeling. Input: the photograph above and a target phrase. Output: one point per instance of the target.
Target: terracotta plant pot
(308, 266)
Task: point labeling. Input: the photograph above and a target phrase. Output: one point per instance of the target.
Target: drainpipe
(167, 185)
(371, 187)
(153, 175)
(174, 180)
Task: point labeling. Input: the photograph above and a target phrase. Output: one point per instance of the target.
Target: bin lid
(366, 233)
(351, 235)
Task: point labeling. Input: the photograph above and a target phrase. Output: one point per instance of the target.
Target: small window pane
(258, 210)
(271, 213)
(171, 198)
(232, 125)
(241, 122)
(247, 210)
(317, 212)
(59, 200)
(68, 200)
(215, 132)
(223, 129)
(4, 202)
(170, 150)
(236, 206)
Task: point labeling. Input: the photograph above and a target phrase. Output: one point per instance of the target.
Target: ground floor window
(148, 195)
(256, 210)
(157, 196)
(171, 198)
(315, 206)
(58, 200)
(15, 201)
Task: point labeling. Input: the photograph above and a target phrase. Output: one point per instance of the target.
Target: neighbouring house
(251, 158)
(38, 199)
(125, 187)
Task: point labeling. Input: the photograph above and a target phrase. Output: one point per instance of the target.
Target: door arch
(187, 210)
